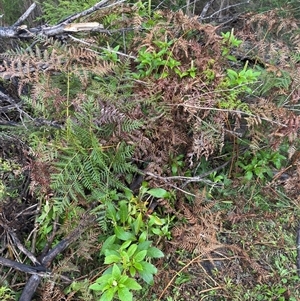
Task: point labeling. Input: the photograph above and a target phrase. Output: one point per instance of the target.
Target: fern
(85, 168)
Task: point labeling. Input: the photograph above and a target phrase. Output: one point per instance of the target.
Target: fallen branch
(13, 104)
(25, 15)
(217, 13)
(36, 270)
(187, 180)
(41, 270)
(47, 259)
(19, 30)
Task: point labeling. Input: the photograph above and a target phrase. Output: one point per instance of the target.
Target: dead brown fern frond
(50, 291)
(48, 60)
(199, 235)
(271, 22)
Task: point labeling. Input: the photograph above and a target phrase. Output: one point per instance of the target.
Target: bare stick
(225, 8)
(46, 260)
(16, 241)
(42, 271)
(16, 31)
(205, 9)
(97, 6)
(187, 180)
(30, 288)
(102, 48)
(12, 102)
(25, 15)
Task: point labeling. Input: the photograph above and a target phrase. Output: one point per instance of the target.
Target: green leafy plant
(238, 82)
(128, 251)
(115, 282)
(229, 42)
(160, 62)
(10, 173)
(260, 164)
(177, 163)
(242, 79)
(111, 54)
(83, 168)
(6, 294)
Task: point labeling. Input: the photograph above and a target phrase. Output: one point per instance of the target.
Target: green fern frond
(129, 125)
(84, 168)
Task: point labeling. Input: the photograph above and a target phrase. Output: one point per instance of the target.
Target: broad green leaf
(174, 169)
(124, 294)
(138, 223)
(132, 271)
(143, 237)
(132, 284)
(102, 285)
(232, 74)
(123, 235)
(122, 280)
(231, 58)
(124, 255)
(158, 193)
(108, 252)
(104, 278)
(111, 259)
(108, 295)
(192, 74)
(111, 212)
(249, 175)
(123, 211)
(125, 244)
(116, 273)
(155, 220)
(138, 266)
(95, 287)
(147, 277)
(157, 231)
(131, 250)
(154, 253)
(148, 267)
(108, 243)
(144, 245)
(140, 255)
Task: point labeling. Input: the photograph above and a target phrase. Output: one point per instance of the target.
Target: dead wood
(20, 31)
(42, 265)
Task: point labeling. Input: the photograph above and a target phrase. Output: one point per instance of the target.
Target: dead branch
(221, 10)
(89, 11)
(47, 259)
(17, 30)
(13, 104)
(25, 15)
(16, 241)
(200, 178)
(40, 270)
(205, 9)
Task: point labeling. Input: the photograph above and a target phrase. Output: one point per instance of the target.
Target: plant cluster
(128, 251)
(166, 137)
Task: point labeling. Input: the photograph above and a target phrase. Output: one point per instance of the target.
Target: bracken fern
(85, 168)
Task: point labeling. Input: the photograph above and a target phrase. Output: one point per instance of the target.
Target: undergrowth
(178, 140)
